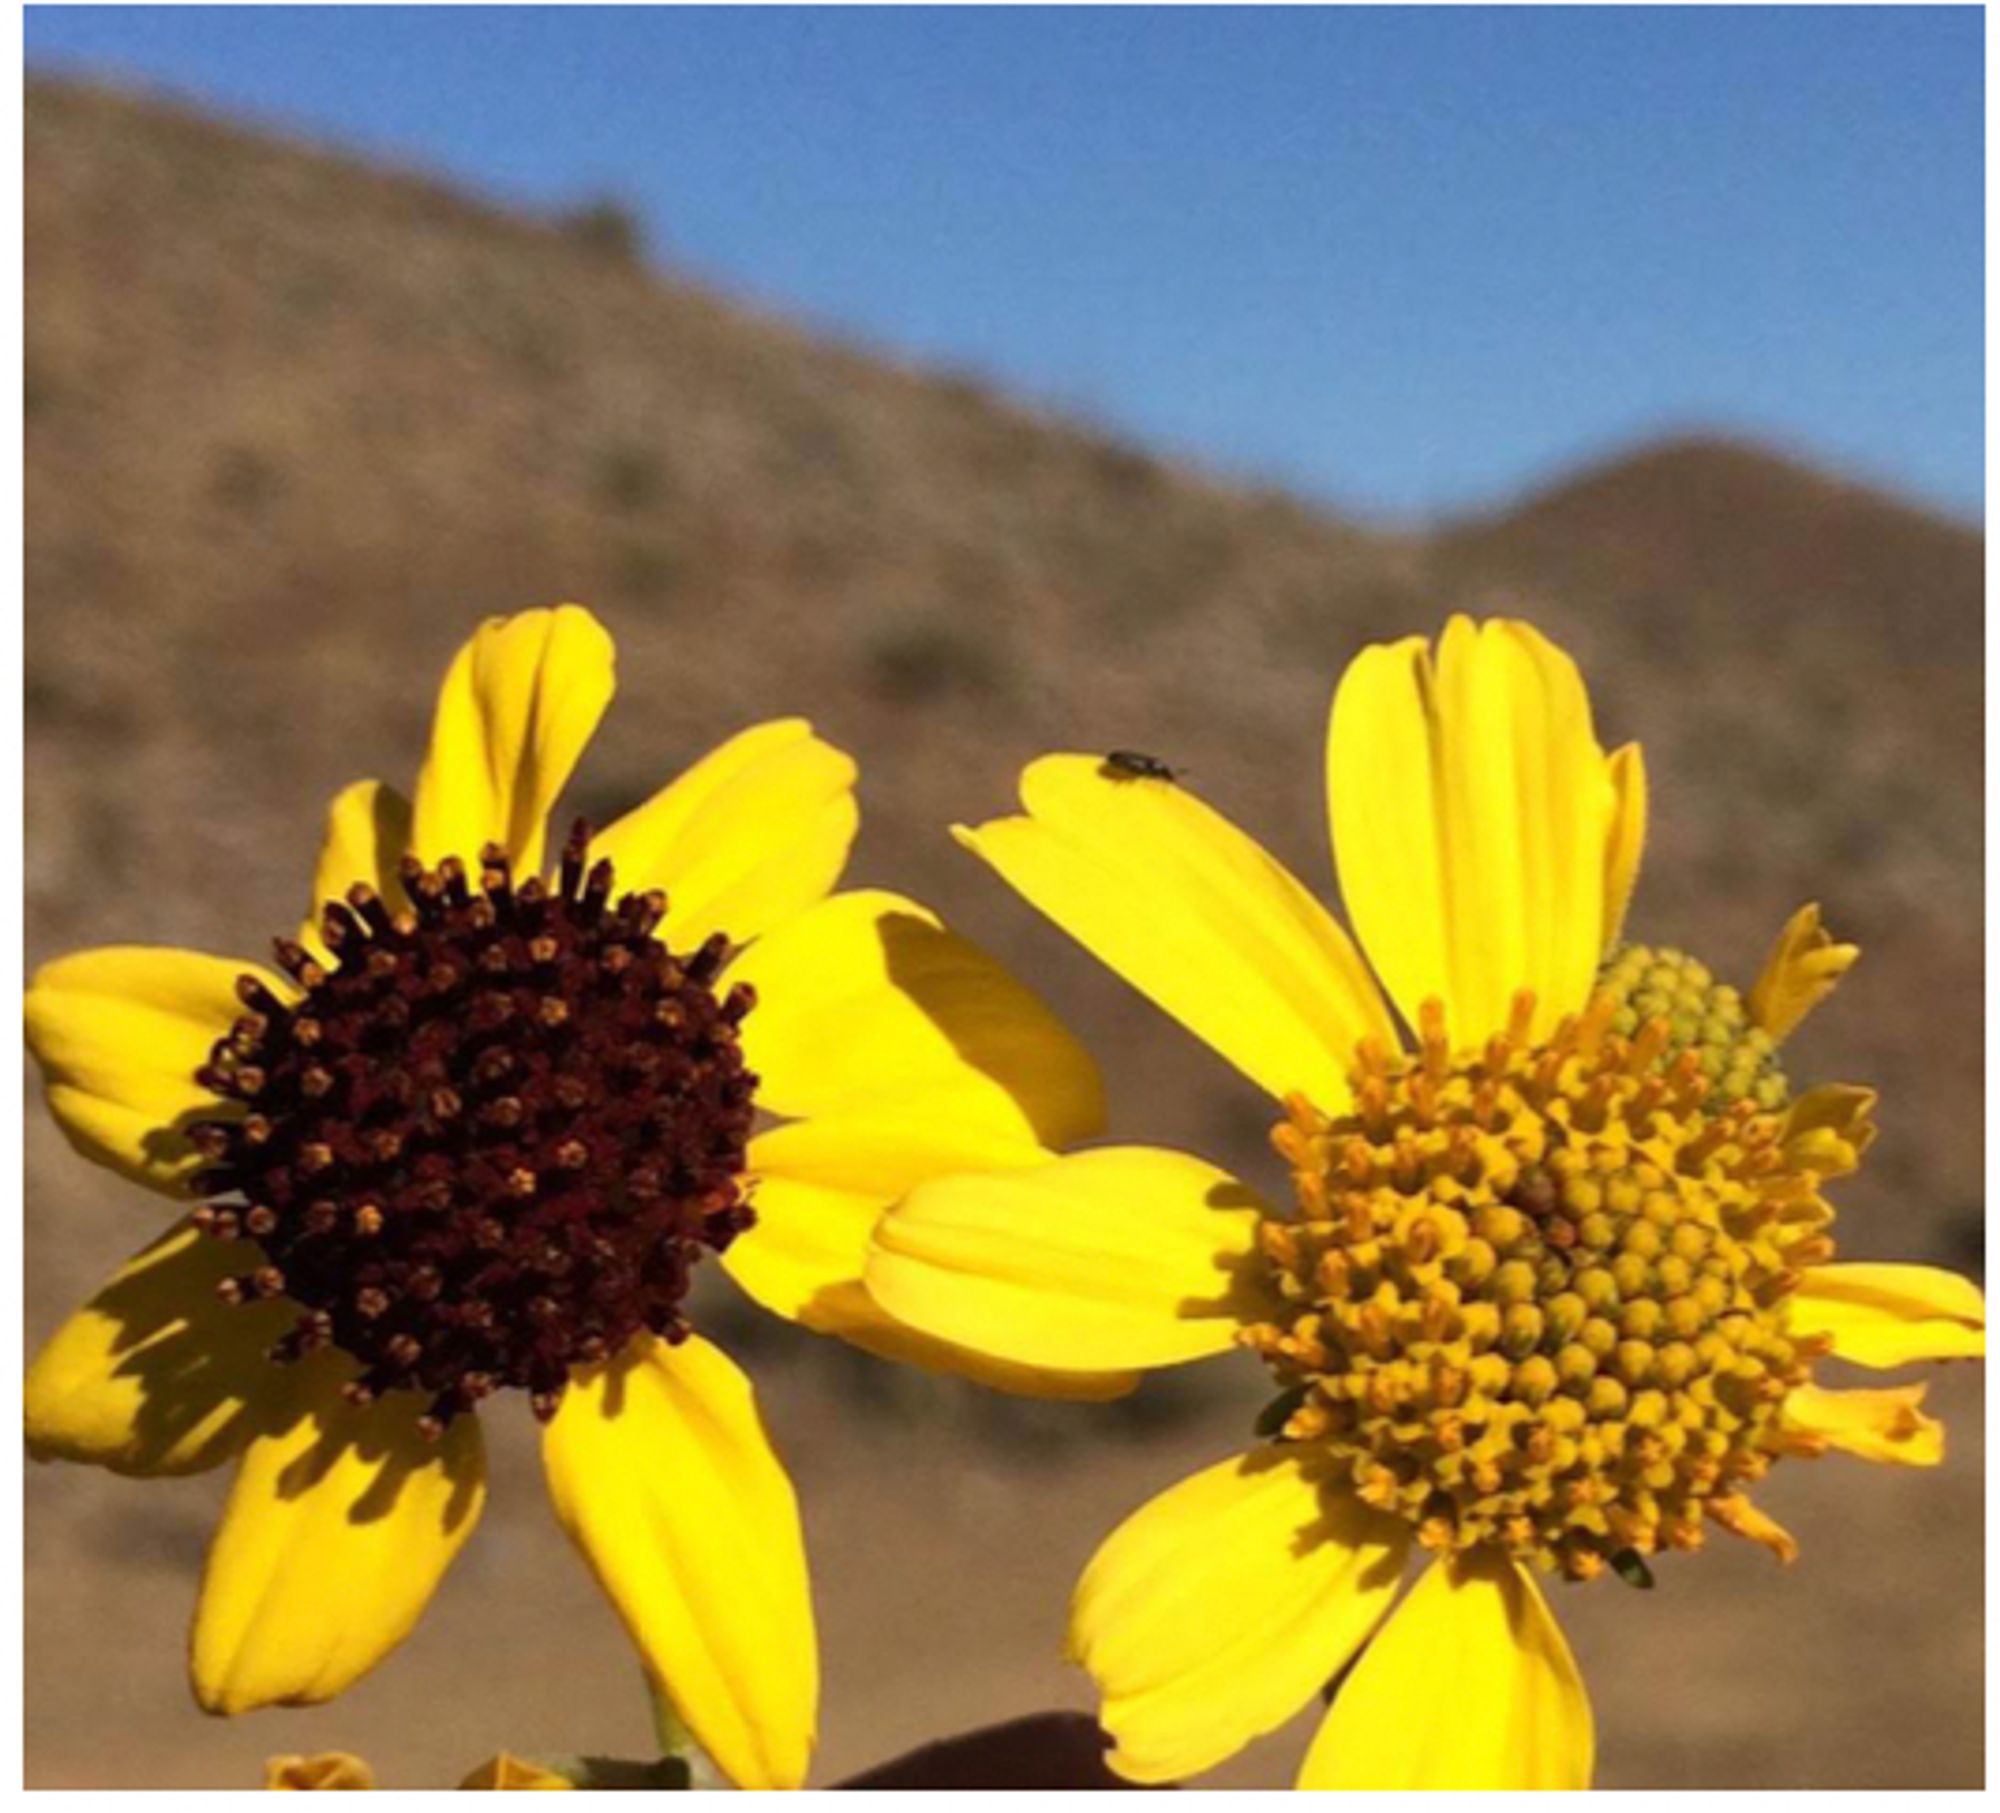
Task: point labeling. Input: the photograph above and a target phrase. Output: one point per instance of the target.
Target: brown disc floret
(489, 1139)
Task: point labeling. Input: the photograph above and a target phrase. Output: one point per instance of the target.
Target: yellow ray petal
(1828, 1128)
(1736, 1514)
(1890, 1315)
(1877, 1425)
(1110, 1259)
(1628, 839)
(156, 1374)
(119, 1034)
(663, 1475)
(1224, 1605)
(516, 709)
(336, 1533)
(819, 1188)
(1804, 967)
(1476, 824)
(748, 838)
(1469, 1685)
(1196, 916)
(367, 835)
(867, 1003)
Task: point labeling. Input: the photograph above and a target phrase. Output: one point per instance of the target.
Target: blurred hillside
(295, 422)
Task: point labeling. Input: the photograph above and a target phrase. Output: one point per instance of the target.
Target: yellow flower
(337, 1769)
(328, 1769)
(469, 1137)
(508, 1771)
(1558, 1270)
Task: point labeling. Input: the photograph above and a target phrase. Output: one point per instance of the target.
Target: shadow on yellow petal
(366, 837)
(156, 1374)
(867, 1003)
(1469, 1685)
(119, 1033)
(1217, 1610)
(1111, 1259)
(818, 1189)
(336, 1533)
(847, 1310)
(663, 1475)
(750, 836)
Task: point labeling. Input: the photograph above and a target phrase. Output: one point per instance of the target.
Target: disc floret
(489, 1139)
(1702, 1015)
(1531, 1296)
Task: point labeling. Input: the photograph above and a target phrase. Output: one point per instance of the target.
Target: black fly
(1131, 765)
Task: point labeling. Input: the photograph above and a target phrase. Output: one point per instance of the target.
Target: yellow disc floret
(1709, 1018)
(1532, 1295)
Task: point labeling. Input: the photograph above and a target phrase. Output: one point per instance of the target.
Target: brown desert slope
(295, 422)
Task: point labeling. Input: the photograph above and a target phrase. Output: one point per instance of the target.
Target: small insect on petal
(1135, 765)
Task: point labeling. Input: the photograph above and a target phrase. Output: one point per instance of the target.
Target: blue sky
(1406, 260)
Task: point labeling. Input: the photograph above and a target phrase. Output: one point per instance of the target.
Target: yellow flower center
(489, 1140)
(1532, 1295)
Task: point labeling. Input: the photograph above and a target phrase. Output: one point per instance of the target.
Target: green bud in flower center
(1738, 1059)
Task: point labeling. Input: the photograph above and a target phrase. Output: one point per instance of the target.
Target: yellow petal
(749, 837)
(119, 1034)
(1469, 1686)
(818, 1189)
(1736, 1514)
(1804, 967)
(867, 1003)
(1196, 916)
(1877, 1425)
(1890, 1315)
(1628, 839)
(1110, 1259)
(156, 1374)
(505, 1771)
(367, 835)
(1473, 824)
(1829, 1128)
(516, 709)
(336, 1533)
(329, 1769)
(1222, 1607)
(665, 1479)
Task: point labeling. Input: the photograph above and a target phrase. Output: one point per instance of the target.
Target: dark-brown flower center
(489, 1142)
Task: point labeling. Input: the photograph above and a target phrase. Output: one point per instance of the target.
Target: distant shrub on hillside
(606, 226)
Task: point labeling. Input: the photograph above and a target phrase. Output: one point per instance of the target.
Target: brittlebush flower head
(507, 1771)
(1557, 1275)
(337, 1769)
(467, 1141)
(326, 1769)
